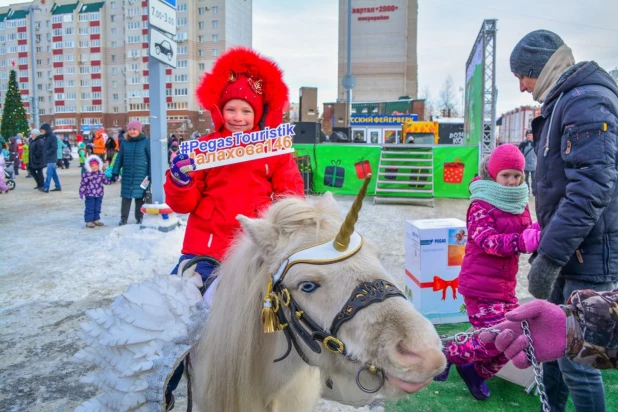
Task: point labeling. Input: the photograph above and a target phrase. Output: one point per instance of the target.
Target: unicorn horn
(347, 228)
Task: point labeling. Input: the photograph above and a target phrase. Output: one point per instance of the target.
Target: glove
(543, 273)
(547, 324)
(81, 196)
(114, 178)
(181, 166)
(529, 240)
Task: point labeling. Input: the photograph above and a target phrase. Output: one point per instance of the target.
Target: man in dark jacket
(36, 157)
(577, 200)
(50, 147)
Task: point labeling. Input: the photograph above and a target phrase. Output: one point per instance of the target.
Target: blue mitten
(181, 166)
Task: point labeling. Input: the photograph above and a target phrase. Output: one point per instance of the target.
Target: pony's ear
(262, 233)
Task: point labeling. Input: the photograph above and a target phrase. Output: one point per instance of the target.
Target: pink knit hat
(135, 124)
(506, 156)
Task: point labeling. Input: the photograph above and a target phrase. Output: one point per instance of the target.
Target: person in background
(60, 153)
(529, 151)
(50, 149)
(14, 154)
(81, 152)
(3, 186)
(91, 187)
(25, 156)
(111, 148)
(134, 160)
(98, 143)
(36, 160)
(67, 156)
(576, 195)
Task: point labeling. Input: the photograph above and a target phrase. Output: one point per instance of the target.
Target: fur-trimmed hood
(91, 158)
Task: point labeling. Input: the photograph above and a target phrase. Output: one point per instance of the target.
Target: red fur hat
(241, 73)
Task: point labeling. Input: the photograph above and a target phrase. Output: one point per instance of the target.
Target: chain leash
(461, 337)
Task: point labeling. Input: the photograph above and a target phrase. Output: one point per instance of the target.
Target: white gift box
(434, 250)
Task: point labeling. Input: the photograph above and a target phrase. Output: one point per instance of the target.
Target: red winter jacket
(216, 196)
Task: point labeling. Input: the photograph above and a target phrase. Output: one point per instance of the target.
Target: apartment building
(91, 60)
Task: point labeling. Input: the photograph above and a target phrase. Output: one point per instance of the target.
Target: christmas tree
(13, 114)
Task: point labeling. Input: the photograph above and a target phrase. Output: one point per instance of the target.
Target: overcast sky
(302, 37)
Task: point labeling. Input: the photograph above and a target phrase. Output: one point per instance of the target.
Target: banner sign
(380, 119)
(240, 147)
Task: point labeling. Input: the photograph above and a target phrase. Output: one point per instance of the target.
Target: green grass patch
(453, 395)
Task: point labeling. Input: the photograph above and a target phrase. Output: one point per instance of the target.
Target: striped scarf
(506, 198)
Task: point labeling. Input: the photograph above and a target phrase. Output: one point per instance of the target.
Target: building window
(96, 82)
(59, 83)
(95, 30)
(84, 70)
(201, 11)
(182, 7)
(69, 44)
(182, 64)
(215, 24)
(115, 109)
(59, 96)
(57, 18)
(113, 59)
(181, 92)
(96, 69)
(182, 50)
(201, 25)
(181, 78)
(96, 95)
(86, 96)
(68, 31)
(70, 70)
(113, 30)
(215, 9)
(57, 57)
(133, 39)
(112, 4)
(83, 44)
(113, 18)
(215, 37)
(71, 83)
(68, 57)
(96, 43)
(115, 96)
(71, 96)
(200, 38)
(201, 66)
(181, 21)
(59, 70)
(114, 44)
(215, 52)
(200, 53)
(84, 83)
(135, 80)
(84, 57)
(83, 31)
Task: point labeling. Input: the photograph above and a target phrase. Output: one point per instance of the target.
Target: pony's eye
(309, 287)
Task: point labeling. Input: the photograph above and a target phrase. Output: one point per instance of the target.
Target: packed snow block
(434, 250)
(334, 174)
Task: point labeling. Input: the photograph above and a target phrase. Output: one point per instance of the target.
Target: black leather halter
(363, 296)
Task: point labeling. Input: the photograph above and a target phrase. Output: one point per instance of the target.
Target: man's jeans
(531, 181)
(563, 376)
(51, 174)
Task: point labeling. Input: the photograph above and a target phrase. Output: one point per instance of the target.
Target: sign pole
(158, 128)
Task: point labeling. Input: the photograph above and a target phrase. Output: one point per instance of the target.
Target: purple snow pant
(482, 313)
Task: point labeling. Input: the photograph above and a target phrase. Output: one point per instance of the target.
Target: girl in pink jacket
(499, 229)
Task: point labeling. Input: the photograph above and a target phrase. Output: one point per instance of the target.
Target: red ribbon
(437, 284)
(443, 285)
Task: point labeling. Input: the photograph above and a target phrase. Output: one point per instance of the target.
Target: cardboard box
(434, 250)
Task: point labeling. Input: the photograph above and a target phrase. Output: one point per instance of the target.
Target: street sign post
(162, 16)
(163, 48)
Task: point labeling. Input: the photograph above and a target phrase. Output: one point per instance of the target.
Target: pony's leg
(301, 394)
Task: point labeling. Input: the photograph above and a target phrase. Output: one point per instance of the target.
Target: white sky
(302, 37)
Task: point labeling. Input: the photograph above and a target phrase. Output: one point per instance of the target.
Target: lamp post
(35, 99)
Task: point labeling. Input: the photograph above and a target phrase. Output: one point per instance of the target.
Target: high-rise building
(384, 49)
(92, 60)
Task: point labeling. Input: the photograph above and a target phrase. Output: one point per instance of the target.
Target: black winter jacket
(577, 173)
(36, 153)
(51, 148)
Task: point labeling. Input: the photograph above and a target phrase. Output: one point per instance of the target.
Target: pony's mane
(232, 378)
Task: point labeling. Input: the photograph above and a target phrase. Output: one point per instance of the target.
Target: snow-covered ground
(53, 268)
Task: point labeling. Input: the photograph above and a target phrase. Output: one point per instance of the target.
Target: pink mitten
(529, 240)
(547, 326)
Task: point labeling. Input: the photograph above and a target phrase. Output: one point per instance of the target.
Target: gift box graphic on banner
(434, 250)
(363, 168)
(453, 172)
(334, 175)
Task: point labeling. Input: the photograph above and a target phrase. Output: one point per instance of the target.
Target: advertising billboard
(473, 129)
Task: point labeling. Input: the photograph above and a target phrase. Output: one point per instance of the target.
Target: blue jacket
(51, 148)
(134, 159)
(577, 173)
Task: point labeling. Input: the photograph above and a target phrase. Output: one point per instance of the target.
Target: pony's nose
(430, 358)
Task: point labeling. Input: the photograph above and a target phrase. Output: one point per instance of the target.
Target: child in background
(91, 188)
(3, 187)
(499, 229)
(81, 151)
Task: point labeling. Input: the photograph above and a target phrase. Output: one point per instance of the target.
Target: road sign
(163, 48)
(170, 2)
(162, 16)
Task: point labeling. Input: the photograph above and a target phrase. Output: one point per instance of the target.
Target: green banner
(454, 167)
(341, 168)
(474, 96)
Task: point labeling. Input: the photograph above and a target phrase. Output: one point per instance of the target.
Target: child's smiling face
(238, 116)
(94, 166)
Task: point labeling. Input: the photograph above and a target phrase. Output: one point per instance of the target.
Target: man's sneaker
(477, 385)
(122, 222)
(43, 190)
(57, 189)
(444, 375)
(90, 225)
(169, 401)
(98, 223)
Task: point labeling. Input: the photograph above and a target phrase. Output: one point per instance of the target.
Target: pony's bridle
(346, 244)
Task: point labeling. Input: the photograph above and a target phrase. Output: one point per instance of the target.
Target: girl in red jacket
(244, 93)
(499, 229)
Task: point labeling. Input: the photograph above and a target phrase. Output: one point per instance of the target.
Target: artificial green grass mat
(453, 395)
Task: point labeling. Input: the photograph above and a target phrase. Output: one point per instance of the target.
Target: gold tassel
(269, 320)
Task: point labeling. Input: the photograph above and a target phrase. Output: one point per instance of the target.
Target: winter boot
(98, 223)
(444, 375)
(122, 222)
(138, 221)
(477, 386)
(90, 225)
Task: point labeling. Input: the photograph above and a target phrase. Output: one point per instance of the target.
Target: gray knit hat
(533, 51)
